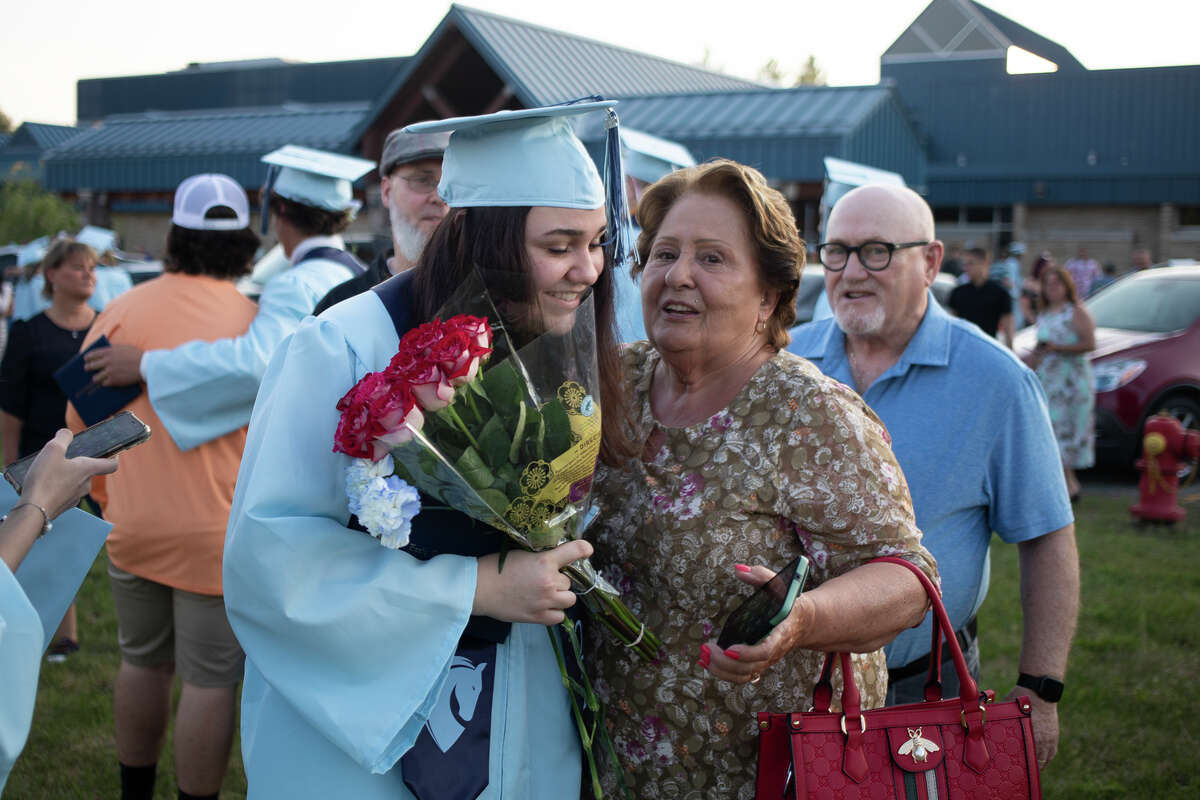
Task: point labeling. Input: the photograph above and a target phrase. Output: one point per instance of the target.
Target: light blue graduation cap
(313, 178)
(32, 252)
(532, 157)
(649, 158)
(99, 239)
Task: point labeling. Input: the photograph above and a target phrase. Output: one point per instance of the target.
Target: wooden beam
(499, 101)
(439, 103)
(433, 73)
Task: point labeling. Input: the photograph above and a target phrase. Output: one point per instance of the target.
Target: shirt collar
(930, 345)
(302, 249)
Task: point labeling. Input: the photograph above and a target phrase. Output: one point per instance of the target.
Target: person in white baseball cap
(170, 509)
(203, 390)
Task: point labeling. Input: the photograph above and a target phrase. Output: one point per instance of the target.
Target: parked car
(1147, 356)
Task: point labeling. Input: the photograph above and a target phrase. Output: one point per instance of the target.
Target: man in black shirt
(983, 301)
(409, 170)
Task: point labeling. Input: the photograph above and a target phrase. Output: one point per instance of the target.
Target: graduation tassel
(264, 206)
(622, 247)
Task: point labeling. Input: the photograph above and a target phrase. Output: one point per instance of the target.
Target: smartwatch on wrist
(1043, 686)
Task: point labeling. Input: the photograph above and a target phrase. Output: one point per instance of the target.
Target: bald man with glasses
(970, 428)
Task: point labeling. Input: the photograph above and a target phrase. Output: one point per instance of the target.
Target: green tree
(28, 211)
(812, 74)
(6, 125)
(771, 73)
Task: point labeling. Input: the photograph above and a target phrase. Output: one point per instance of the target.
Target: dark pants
(911, 688)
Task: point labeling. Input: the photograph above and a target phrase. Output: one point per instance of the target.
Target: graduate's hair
(776, 243)
(308, 220)
(493, 239)
(57, 255)
(218, 254)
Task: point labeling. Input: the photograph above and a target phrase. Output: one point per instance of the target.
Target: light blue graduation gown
(110, 282)
(348, 644)
(32, 603)
(28, 301)
(204, 390)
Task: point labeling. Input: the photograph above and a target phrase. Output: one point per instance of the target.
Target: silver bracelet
(46, 526)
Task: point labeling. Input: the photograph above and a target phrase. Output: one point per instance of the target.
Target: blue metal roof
(1057, 137)
(21, 152)
(544, 66)
(155, 151)
(1026, 39)
(785, 133)
(266, 82)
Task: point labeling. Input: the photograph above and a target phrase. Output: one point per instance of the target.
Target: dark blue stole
(342, 257)
(449, 759)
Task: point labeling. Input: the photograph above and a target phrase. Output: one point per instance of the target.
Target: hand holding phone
(770, 604)
(102, 440)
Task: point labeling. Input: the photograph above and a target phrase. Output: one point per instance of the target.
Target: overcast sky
(46, 48)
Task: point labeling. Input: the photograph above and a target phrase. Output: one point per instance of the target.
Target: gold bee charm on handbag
(919, 747)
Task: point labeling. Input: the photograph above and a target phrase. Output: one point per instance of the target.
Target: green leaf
(497, 501)
(494, 443)
(558, 429)
(470, 465)
(514, 452)
(504, 389)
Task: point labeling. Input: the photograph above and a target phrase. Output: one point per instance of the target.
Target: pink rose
(430, 387)
(399, 419)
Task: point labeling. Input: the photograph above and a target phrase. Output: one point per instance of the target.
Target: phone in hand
(767, 607)
(102, 440)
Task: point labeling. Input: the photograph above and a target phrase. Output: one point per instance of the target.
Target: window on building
(945, 214)
(1189, 216)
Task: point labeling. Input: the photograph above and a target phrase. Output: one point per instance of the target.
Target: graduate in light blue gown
(358, 683)
(204, 390)
(28, 300)
(110, 280)
(645, 159)
(42, 564)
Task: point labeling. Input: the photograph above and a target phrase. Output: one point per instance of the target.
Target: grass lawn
(1128, 716)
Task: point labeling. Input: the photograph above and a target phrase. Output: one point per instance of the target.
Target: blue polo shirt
(971, 430)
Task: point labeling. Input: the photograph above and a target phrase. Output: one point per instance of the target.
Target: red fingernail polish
(704, 651)
(732, 654)
(741, 567)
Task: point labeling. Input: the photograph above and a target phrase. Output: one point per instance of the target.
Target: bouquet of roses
(509, 437)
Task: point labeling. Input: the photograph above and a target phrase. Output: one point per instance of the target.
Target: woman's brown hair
(1067, 281)
(493, 240)
(778, 248)
(57, 255)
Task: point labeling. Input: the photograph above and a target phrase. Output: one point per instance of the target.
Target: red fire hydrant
(1166, 447)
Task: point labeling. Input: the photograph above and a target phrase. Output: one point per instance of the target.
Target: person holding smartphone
(749, 457)
(169, 509)
(53, 485)
(33, 404)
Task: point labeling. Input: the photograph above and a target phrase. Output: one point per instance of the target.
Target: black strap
(437, 531)
(342, 257)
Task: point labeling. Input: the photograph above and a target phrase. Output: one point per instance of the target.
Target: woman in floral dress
(1066, 334)
(750, 457)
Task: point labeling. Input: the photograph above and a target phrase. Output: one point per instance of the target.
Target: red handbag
(968, 746)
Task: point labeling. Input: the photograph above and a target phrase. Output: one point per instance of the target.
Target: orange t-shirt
(169, 508)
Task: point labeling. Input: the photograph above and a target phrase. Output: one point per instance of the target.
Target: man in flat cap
(409, 171)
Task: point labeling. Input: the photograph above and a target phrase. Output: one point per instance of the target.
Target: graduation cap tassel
(620, 225)
(264, 206)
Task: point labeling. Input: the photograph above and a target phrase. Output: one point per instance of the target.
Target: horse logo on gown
(461, 690)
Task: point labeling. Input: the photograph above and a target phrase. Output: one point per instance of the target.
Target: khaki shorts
(159, 624)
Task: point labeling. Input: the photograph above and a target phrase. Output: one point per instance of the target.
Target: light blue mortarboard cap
(99, 239)
(532, 157)
(316, 178)
(649, 158)
(32, 252)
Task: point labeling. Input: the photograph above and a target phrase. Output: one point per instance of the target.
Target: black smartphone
(104, 439)
(767, 607)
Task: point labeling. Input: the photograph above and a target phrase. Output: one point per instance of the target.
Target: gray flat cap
(404, 148)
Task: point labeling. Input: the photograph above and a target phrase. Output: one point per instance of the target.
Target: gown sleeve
(357, 638)
(203, 390)
(20, 658)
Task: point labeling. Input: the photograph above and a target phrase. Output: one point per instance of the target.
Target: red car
(1147, 356)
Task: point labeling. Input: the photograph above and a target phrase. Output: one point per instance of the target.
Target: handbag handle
(851, 701)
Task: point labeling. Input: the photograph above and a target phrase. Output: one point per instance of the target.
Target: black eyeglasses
(875, 256)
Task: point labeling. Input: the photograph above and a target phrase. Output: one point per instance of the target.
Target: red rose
(358, 425)
(478, 330)
(420, 339)
(453, 355)
(399, 417)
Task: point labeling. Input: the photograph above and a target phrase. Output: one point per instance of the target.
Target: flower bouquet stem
(605, 604)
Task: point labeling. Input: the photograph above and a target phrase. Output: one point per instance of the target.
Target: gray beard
(860, 324)
(408, 239)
